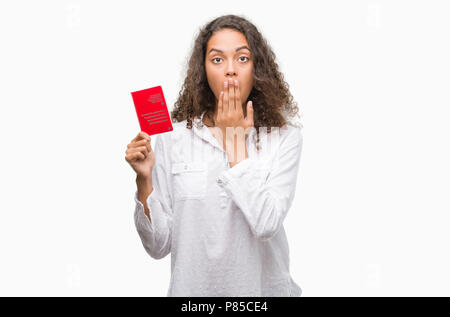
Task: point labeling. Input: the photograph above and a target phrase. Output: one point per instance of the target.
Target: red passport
(151, 109)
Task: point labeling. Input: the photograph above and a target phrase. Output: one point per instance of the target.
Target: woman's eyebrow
(237, 49)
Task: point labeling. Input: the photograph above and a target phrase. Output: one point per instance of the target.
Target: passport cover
(151, 109)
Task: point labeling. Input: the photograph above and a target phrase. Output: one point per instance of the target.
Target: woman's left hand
(230, 113)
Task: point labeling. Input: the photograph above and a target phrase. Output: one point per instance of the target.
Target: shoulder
(291, 135)
(171, 137)
(291, 130)
(179, 127)
(279, 138)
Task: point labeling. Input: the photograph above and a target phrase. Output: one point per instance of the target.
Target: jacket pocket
(189, 180)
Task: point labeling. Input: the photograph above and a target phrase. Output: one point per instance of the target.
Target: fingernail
(236, 82)
(226, 84)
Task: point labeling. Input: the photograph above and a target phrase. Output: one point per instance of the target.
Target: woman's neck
(207, 121)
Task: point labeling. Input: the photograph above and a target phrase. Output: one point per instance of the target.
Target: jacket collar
(202, 131)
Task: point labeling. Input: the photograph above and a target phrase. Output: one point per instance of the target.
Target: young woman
(217, 188)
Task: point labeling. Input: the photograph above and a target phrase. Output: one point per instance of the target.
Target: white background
(371, 212)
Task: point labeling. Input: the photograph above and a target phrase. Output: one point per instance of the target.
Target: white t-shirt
(222, 226)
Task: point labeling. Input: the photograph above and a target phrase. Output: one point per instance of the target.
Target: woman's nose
(230, 74)
(230, 70)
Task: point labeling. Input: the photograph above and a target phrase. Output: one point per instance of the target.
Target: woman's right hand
(140, 156)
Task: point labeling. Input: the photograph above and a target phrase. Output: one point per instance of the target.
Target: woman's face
(228, 56)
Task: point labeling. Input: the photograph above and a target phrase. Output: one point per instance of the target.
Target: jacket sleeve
(263, 200)
(156, 235)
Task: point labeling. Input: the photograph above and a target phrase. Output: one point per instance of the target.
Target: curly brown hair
(272, 102)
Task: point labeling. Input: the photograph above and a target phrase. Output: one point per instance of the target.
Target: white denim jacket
(222, 226)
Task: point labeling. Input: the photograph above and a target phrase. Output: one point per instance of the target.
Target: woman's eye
(216, 58)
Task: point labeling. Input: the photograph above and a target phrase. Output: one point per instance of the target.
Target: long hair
(273, 104)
